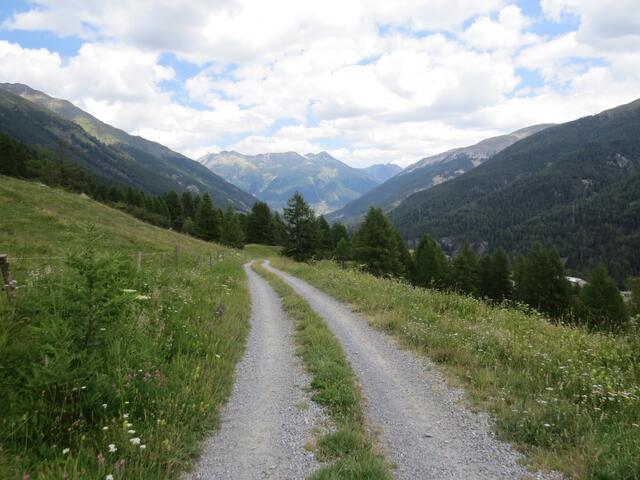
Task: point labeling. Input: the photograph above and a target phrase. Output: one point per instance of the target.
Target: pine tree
(495, 276)
(541, 281)
(465, 272)
(259, 227)
(325, 239)
(338, 232)
(188, 206)
(375, 245)
(232, 234)
(279, 230)
(302, 229)
(175, 209)
(602, 304)
(207, 225)
(343, 251)
(431, 264)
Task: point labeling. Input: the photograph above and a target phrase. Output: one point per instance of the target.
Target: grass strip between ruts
(350, 447)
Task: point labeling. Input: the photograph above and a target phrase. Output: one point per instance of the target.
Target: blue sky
(368, 80)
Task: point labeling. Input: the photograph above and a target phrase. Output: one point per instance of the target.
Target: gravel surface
(424, 426)
(269, 416)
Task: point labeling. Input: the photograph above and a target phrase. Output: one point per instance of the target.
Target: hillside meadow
(106, 369)
(568, 398)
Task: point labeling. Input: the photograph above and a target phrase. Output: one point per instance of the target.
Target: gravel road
(424, 427)
(269, 416)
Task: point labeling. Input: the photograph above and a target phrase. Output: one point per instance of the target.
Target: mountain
(108, 153)
(574, 185)
(428, 172)
(325, 182)
(382, 172)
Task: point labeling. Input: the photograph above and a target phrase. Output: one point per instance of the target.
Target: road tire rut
(424, 427)
(263, 427)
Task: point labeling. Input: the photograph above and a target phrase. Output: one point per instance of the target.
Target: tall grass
(334, 386)
(106, 370)
(567, 397)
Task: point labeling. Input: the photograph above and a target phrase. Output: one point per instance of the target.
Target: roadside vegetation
(350, 448)
(108, 370)
(565, 395)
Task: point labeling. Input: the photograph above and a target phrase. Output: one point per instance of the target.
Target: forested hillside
(105, 152)
(574, 186)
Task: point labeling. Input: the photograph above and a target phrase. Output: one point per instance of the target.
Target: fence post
(210, 261)
(139, 262)
(9, 286)
(198, 262)
(177, 253)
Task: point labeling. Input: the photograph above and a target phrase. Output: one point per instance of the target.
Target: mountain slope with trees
(575, 186)
(428, 172)
(110, 154)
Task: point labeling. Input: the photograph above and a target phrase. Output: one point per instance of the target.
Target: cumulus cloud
(368, 80)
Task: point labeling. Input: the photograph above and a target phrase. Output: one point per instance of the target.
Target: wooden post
(177, 254)
(9, 286)
(198, 261)
(139, 262)
(210, 261)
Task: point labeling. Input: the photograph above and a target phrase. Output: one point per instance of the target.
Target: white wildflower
(104, 405)
(143, 446)
(105, 428)
(129, 290)
(108, 477)
(65, 451)
(112, 448)
(131, 431)
(135, 440)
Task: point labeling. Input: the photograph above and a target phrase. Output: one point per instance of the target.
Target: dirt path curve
(424, 427)
(264, 426)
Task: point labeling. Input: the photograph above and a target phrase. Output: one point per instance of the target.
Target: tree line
(537, 278)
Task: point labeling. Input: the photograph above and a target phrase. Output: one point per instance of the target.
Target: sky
(369, 81)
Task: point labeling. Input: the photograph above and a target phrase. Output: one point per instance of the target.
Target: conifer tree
(375, 245)
(259, 227)
(207, 225)
(431, 264)
(232, 234)
(302, 229)
(602, 304)
(279, 230)
(541, 281)
(338, 232)
(465, 272)
(175, 209)
(325, 239)
(343, 251)
(188, 206)
(495, 276)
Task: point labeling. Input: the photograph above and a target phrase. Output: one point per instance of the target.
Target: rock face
(325, 182)
(428, 172)
(106, 152)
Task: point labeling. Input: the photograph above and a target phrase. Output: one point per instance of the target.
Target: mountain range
(108, 153)
(575, 186)
(428, 172)
(324, 181)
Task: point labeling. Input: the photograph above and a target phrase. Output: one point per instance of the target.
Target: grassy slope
(205, 308)
(334, 386)
(568, 398)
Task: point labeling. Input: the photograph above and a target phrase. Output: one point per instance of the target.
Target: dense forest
(574, 186)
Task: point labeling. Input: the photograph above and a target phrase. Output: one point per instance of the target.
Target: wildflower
(104, 405)
(120, 465)
(131, 431)
(105, 428)
(135, 440)
(129, 290)
(143, 297)
(101, 458)
(112, 448)
(84, 387)
(143, 446)
(108, 477)
(125, 415)
(546, 425)
(65, 451)
(217, 356)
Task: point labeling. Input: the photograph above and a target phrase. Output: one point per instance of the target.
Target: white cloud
(443, 74)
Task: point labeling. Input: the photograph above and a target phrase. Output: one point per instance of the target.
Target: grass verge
(106, 369)
(334, 385)
(568, 398)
